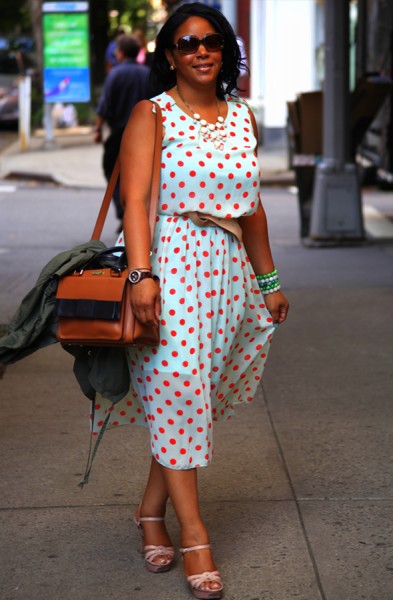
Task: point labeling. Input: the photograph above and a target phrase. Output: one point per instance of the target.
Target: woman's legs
(182, 487)
(154, 505)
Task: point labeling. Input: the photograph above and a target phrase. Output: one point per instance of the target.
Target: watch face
(135, 276)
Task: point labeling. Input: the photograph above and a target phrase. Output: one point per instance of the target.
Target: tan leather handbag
(93, 304)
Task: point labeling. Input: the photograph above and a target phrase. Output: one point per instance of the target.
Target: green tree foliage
(14, 18)
(133, 13)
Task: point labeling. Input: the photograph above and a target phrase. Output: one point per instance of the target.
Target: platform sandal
(196, 582)
(151, 552)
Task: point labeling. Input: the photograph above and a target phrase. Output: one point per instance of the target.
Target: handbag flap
(94, 294)
(94, 284)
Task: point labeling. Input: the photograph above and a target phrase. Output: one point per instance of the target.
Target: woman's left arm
(256, 242)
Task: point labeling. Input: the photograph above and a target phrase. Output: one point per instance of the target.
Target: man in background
(110, 52)
(125, 85)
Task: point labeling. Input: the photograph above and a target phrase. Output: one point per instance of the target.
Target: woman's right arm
(136, 165)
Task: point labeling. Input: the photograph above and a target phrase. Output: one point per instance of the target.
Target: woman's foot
(155, 542)
(201, 571)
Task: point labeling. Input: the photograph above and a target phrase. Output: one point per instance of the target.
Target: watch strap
(135, 276)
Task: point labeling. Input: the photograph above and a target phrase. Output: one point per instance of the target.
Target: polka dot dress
(215, 329)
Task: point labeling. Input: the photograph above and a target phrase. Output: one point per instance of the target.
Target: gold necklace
(214, 132)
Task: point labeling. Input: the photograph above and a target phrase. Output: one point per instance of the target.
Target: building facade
(281, 38)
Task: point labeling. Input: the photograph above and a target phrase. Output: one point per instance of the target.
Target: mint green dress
(215, 328)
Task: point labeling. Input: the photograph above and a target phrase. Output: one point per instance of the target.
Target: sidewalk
(75, 161)
(299, 497)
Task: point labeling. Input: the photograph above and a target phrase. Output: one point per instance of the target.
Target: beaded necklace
(214, 132)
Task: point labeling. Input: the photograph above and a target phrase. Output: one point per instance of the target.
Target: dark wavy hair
(163, 78)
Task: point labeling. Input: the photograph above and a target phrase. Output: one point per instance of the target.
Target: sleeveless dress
(215, 328)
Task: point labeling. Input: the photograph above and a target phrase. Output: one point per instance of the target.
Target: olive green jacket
(34, 325)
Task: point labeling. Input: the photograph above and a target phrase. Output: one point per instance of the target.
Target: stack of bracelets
(269, 282)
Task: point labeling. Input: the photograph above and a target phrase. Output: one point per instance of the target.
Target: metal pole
(336, 207)
(361, 39)
(49, 141)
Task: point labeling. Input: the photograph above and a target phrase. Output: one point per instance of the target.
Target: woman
(215, 324)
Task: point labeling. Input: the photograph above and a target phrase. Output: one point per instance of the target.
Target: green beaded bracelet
(269, 285)
(271, 290)
(267, 275)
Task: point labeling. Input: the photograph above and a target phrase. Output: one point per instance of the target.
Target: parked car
(9, 73)
(15, 61)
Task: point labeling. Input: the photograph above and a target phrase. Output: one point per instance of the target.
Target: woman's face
(201, 68)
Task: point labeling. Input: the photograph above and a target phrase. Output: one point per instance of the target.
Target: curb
(32, 176)
(285, 180)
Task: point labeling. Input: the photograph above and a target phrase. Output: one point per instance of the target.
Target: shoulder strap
(155, 182)
(156, 172)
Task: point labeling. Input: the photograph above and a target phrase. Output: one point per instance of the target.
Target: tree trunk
(36, 22)
(98, 39)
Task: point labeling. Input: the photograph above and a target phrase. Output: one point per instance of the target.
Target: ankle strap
(143, 519)
(192, 548)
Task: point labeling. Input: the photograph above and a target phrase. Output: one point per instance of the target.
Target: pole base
(336, 207)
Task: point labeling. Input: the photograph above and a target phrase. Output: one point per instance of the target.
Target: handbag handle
(119, 262)
(154, 188)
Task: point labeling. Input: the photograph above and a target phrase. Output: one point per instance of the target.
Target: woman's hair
(231, 56)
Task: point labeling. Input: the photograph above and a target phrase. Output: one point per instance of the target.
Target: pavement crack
(295, 499)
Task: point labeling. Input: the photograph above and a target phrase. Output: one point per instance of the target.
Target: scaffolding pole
(336, 208)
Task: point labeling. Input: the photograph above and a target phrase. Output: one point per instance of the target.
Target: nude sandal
(151, 552)
(196, 582)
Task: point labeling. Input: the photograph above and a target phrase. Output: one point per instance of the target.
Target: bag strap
(154, 188)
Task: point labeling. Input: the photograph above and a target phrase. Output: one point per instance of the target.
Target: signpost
(66, 55)
(24, 103)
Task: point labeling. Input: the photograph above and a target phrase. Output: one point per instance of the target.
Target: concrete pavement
(299, 497)
(73, 160)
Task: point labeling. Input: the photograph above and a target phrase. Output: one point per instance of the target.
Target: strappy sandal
(196, 582)
(151, 552)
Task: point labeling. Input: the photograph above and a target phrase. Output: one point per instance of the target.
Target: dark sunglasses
(189, 44)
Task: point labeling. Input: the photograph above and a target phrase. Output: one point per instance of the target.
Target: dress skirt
(215, 335)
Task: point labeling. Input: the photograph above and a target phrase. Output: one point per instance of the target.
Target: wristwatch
(136, 276)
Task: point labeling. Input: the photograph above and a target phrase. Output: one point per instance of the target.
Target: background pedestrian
(125, 85)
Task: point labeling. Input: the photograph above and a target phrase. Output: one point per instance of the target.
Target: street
(36, 223)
